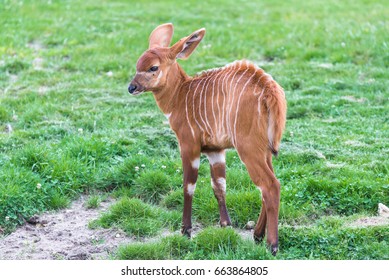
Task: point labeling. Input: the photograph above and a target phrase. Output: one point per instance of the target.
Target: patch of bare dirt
(354, 99)
(63, 235)
(370, 221)
(381, 220)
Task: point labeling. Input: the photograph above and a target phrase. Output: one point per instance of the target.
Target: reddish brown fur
(238, 106)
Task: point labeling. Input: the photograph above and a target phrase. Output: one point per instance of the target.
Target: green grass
(138, 218)
(211, 243)
(64, 71)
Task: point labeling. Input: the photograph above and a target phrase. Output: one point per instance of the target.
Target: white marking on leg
(214, 158)
(222, 183)
(219, 184)
(191, 189)
(195, 163)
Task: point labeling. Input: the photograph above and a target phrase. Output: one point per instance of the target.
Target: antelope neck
(166, 95)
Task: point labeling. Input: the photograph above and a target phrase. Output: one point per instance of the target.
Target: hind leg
(257, 164)
(260, 228)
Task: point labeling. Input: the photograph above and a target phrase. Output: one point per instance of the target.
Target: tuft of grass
(151, 186)
(211, 240)
(137, 218)
(93, 202)
(58, 201)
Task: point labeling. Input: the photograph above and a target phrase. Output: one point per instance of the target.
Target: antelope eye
(153, 69)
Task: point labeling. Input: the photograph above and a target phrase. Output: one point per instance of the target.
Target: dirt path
(63, 235)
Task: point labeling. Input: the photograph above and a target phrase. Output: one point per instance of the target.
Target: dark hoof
(258, 238)
(186, 232)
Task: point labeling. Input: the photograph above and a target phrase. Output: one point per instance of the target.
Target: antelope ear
(184, 48)
(161, 36)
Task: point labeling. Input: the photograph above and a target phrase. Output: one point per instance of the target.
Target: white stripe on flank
(186, 109)
(225, 96)
(229, 113)
(214, 158)
(195, 163)
(213, 97)
(193, 106)
(219, 93)
(191, 189)
(237, 105)
(205, 105)
(230, 99)
(201, 93)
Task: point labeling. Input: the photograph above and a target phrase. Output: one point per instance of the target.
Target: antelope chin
(137, 92)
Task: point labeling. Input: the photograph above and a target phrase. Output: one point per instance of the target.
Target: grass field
(68, 125)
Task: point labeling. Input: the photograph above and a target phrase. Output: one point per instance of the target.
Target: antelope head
(153, 67)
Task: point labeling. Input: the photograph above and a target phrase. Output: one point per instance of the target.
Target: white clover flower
(163, 166)
(143, 166)
(6, 218)
(38, 186)
(136, 168)
(80, 130)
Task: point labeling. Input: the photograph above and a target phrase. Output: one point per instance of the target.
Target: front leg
(217, 161)
(190, 164)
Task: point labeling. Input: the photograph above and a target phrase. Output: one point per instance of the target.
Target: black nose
(131, 88)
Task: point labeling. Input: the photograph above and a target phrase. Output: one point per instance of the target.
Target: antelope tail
(276, 107)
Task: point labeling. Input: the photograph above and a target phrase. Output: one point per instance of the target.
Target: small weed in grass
(58, 201)
(93, 202)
